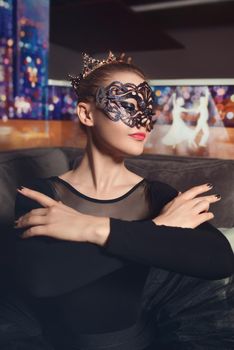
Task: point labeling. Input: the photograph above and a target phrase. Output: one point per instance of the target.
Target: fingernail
(209, 185)
(21, 189)
(218, 196)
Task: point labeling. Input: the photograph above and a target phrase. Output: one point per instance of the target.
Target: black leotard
(90, 289)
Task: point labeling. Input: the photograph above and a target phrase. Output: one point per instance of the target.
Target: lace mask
(116, 101)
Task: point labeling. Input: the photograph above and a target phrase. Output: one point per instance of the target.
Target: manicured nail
(217, 196)
(20, 189)
(209, 185)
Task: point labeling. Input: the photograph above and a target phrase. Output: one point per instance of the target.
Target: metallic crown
(90, 64)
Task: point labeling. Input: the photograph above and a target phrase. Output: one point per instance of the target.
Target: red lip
(138, 135)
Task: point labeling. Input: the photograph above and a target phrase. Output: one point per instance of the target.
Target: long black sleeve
(202, 252)
(46, 266)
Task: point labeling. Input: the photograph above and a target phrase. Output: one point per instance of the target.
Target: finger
(39, 197)
(34, 231)
(40, 211)
(211, 199)
(33, 220)
(203, 217)
(202, 206)
(195, 191)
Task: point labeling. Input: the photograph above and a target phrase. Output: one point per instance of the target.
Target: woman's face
(114, 121)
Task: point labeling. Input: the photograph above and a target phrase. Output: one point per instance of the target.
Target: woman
(91, 235)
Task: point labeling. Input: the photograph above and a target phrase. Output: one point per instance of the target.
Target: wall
(208, 53)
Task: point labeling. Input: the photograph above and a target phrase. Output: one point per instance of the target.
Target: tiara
(90, 64)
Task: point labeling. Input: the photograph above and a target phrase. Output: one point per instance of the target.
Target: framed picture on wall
(193, 117)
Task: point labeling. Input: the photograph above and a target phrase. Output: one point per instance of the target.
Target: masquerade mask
(133, 104)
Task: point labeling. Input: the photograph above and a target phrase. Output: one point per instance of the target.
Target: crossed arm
(179, 239)
(60, 221)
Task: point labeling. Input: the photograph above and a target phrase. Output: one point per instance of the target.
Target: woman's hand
(187, 210)
(59, 221)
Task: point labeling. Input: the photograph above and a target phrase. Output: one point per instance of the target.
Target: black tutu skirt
(181, 313)
(190, 313)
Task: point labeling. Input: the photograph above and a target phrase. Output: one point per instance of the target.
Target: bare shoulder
(66, 176)
(133, 178)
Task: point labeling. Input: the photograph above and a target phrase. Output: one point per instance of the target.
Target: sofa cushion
(185, 172)
(16, 168)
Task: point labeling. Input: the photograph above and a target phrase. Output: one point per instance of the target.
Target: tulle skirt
(184, 313)
(190, 313)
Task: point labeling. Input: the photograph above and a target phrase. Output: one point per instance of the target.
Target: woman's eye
(127, 105)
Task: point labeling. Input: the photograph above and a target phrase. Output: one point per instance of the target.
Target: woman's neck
(101, 171)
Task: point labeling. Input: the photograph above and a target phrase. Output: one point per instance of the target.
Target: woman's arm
(45, 266)
(198, 249)
(202, 252)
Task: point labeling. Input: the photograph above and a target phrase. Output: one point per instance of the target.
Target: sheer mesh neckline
(74, 190)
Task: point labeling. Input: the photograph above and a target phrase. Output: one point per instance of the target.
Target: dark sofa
(18, 166)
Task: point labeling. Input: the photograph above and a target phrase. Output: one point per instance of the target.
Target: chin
(126, 149)
(134, 151)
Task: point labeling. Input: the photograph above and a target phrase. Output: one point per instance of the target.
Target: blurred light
(55, 99)
(10, 42)
(230, 115)
(158, 93)
(186, 95)
(5, 4)
(4, 118)
(220, 92)
(6, 61)
(21, 105)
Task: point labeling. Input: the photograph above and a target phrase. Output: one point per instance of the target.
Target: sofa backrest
(16, 167)
(183, 173)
